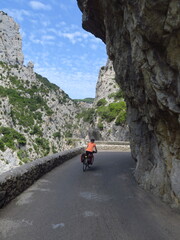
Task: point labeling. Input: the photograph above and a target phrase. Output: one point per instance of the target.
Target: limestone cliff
(106, 84)
(10, 41)
(143, 40)
(108, 101)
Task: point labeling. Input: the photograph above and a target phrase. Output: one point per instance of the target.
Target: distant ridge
(87, 100)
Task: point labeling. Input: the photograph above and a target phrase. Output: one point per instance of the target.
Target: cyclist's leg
(84, 166)
(88, 155)
(83, 157)
(91, 158)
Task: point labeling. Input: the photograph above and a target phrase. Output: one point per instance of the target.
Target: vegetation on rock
(11, 138)
(87, 100)
(113, 111)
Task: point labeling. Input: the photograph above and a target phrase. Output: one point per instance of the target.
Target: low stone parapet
(113, 146)
(15, 181)
(119, 148)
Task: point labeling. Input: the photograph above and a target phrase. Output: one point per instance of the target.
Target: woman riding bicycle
(91, 147)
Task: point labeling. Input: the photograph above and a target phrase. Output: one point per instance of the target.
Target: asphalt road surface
(104, 203)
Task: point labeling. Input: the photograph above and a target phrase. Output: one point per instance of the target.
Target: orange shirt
(90, 147)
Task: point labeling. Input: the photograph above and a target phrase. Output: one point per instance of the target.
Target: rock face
(10, 41)
(143, 40)
(108, 90)
(106, 84)
(105, 119)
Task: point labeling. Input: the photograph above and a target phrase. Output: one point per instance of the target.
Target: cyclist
(91, 147)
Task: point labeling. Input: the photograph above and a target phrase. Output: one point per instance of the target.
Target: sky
(54, 40)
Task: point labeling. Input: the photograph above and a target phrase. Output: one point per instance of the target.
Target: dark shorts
(87, 152)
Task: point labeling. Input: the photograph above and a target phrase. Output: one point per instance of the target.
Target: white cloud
(48, 37)
(63, 7)
(52, 30)
(45, 23)
(33, 21)
(34, 39)
(75, 37)
(76, 84)
(17, 14)
(23, 34)
(43, 39)
(93, 46)
(36, 5)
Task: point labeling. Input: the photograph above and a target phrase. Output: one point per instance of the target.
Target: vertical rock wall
(10, 41)
(107, 89)
(106, 82)
(143, 40)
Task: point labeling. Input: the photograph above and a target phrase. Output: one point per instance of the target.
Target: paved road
(103, 203)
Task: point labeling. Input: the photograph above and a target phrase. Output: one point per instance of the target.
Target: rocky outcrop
(107, 92)
(10, 41)
(102, 120)
(142, 39)
(106, 84)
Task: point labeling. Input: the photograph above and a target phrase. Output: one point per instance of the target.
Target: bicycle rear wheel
(92, 160)
(85, 165)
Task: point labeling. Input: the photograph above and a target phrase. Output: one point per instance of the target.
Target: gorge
(37, 118)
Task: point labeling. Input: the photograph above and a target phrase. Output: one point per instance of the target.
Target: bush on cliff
(113, 111)
(101, 102)
(87, 115)
(10, 138)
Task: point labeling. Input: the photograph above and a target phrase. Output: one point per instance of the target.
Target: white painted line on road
(58, 225)
(95, 196)
(24, 198)
(90, 214)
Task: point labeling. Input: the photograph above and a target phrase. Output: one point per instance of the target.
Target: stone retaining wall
(122, 146)
(15, 181)
(112, 143)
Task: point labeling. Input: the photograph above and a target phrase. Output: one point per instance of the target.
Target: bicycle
(87, 160)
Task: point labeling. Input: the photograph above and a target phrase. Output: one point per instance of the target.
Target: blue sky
(53, 39)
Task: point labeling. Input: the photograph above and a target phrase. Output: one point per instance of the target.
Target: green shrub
(117, 95)
(23, 156)
(110, 112)
(2, 146)
(101, 102)
(54, 150)
(70, 141)
(121, 118)
(15, 81)
(38, 116)
(68, 134)
(43, 144)
(87, 115)
(10, 137)
(45, 81)
(57, 135)
(100, 125)
(87, 100)
(24, 109)
(36, 130)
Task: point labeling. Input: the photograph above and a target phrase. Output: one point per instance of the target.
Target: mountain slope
(36, 116)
